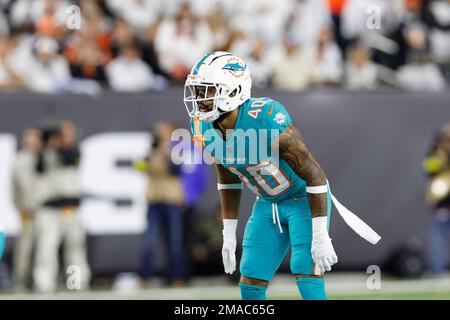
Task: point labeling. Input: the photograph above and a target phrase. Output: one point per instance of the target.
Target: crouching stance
(255, 143)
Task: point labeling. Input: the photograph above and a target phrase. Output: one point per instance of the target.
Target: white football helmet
(224, 72)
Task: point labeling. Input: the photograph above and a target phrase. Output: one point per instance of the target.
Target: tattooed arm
(229, 200)
(295, 152)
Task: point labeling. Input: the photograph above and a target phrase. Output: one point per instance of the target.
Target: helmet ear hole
(240, 89)
(233, 93)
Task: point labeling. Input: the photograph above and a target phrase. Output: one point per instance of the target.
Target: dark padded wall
(371, 146)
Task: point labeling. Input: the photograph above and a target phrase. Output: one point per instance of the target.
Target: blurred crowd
(139, 45)
(48, 194)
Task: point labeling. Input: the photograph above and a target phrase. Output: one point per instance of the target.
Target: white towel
(354, 222)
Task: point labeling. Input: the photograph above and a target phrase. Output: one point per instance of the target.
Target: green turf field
(339, 286)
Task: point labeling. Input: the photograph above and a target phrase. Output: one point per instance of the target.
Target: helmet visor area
(200, 99)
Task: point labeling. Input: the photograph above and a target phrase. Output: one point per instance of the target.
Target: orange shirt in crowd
(335, 6)
(47, 25)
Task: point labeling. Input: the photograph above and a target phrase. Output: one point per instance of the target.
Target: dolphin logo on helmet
(235, 66)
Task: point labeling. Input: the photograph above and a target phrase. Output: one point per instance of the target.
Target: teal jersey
(249, 150)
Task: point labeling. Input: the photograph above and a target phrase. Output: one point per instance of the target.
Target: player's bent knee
(252, 281)
(301, 260)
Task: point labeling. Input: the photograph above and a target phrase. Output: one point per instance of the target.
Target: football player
(293, 198)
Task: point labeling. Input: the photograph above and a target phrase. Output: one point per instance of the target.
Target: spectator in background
(361, 72)
(170, 8)
(149, 54)
(240, 43)
(257, 63)
(87, 61)
(88, 50)
(49, 72)
(208, 8)
(95, 27)
(52, 22)
(218, 24)
(335, 8)
(292, 67)
(122, 35)
(47, 16)
(327, 60)
(180, 41)
(415, 33)
(9, 78)
(56, 219)
(355, 18)
(264, 19)
(165, 198)
(437, 166)
(128, 73)
(378, 29)
(92, 34)
(20, 15)
(438, 19)
(140, 14)
(21, 56)
(25, 184)
(195, 179)
(90, 64)
(410, 38)
(307, 19)
(421, 76)
(4, 26)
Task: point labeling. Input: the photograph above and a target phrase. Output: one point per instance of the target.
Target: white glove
(229, 245)
(322, 250)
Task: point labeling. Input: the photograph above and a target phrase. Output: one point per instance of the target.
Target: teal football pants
(265, 247)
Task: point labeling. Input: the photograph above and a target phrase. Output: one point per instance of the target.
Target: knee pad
(260, 261)
(252, 292)
(301, 259)
(312, 288)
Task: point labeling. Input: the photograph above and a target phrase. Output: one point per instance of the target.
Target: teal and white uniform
(281, 216)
